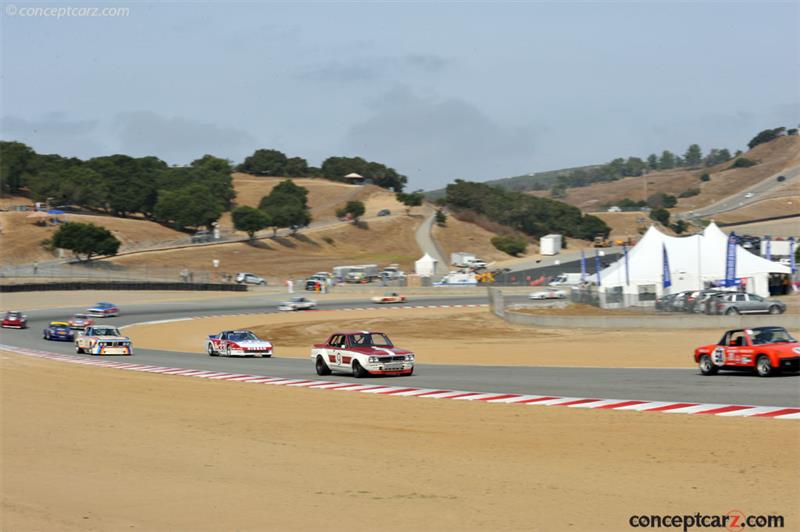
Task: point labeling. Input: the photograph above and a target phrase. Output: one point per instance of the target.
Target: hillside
(458, 235)
(773, 157)
(385, 241)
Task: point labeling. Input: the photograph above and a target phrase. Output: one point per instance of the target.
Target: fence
(90, 285)
(103, 271)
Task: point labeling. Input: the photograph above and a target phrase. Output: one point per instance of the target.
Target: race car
(80, 321)
(389, 297)
(548, 294)
(103, 340)
(297, 303)
(237, 343)
(767, 350)
(103, 310)
(15, 319)
(361, 353)
(58, 330)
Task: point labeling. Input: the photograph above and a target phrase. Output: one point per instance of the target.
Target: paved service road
(601, 383)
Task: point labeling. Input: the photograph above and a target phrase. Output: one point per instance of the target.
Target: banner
(667, 282)
(627, 271)
(730, 261)
(768, 246)
(792, 261)
(583, 266)
(597, 266)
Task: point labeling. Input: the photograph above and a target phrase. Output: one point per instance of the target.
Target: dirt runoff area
(93, 449)
(443, 336)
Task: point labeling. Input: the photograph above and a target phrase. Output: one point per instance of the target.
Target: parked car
(237, 343)
(15, 319)
(361, 353)
(743, 303)
(384, 212)
(297, 303)
(250, 278)
(58, 330)
(781, 178)
(201, 236)
(767, 350)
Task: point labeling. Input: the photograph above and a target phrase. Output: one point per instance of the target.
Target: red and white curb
(774, 412)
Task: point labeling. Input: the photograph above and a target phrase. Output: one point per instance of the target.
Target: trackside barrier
(201, 287)
(660, 321)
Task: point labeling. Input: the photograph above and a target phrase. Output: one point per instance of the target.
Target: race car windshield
(241, 337)
(771, 335)
(371, 340)
(106, 331)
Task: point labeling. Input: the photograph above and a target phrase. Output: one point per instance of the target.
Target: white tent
(426, 266)
(695, 262)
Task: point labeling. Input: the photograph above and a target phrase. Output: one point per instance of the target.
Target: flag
(627, 271)
(792, 262)
(768, 247)
(597, 266)
(667, 279)
(583, 266)
(730, 261)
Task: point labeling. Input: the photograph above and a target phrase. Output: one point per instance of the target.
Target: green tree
(513, 245)
(265, 162)
(693, 156)
(411, 200)
(743, 162)
(335, 168)
(441, 217)
(286, 205)
(16, 163)
(667, 160)
(559, 191)
(297, 167)
(661, 199)
(85, 240)
(190, 207)
(766, 136)
(679, 227)
(354, 208)
(652, 161)
(250, 220)
(660, 215)
(215, 164)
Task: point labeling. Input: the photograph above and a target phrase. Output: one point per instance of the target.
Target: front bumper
(112, 350)
(405, 368)
(251, 353)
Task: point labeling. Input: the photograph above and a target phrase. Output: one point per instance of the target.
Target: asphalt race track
(653, 384)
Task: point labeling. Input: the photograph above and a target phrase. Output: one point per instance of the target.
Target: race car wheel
(764, 366)
(228, 350)
(707, 366)
(321, 367)
(78, 350)
(775, 309)
(358, 371)
(211, 351)
(731, 311)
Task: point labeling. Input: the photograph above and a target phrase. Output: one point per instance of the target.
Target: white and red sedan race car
(237, 343)
(361, 353)
(103, 340)
(390, 297)
(548, 294)
(103, 310)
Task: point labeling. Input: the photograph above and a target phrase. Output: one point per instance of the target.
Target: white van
(566, 279)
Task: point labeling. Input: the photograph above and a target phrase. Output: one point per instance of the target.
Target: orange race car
(767, 350)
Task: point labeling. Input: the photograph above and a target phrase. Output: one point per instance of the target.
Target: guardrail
(201, 287)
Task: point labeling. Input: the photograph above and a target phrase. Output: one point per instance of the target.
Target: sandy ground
(98, 449)
(443, 336)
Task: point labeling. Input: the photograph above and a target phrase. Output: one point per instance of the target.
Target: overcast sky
(439, 91)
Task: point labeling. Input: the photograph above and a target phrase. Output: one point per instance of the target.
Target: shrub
(513, 245)
(441, 217)
(705, 177)
(689, 193)
(743, 162)
(660, 215)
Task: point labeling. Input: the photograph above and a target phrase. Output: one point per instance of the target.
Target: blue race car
(58, 330)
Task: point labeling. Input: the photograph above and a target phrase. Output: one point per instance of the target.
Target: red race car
(15, 319)
(80, 321)
(767, 350)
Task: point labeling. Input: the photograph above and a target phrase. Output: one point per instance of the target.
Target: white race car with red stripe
(361, 353)
(391, 297)
(238, 343)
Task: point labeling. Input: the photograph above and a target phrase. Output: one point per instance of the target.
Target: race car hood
(380, 351)
(111, 338)
(787, 350)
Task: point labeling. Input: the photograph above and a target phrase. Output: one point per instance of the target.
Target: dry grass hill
(773, 157)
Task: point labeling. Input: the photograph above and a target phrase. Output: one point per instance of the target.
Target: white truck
(466, 260)
(566, 279)
(363, 273)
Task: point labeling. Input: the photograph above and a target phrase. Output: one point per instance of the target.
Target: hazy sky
(472, 90)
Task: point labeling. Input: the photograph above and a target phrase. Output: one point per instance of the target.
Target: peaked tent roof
(698, 255)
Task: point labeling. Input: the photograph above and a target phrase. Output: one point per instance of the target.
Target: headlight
(373, 360)
(409, 357)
